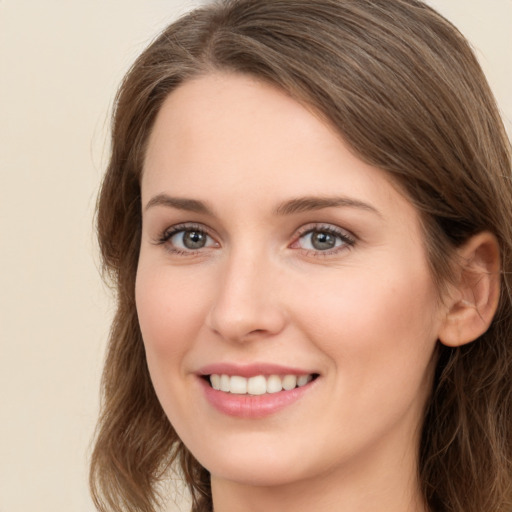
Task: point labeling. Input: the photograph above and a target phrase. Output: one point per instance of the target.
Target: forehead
(236, 114)
(226, 137)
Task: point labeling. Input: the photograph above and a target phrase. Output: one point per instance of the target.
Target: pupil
(194, 240)
(322, 241)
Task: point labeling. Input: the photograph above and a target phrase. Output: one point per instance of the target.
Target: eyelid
(348, 238)
(169, 232)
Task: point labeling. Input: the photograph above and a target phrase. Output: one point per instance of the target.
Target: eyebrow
(311, 203)
(290, 207)
(189, 205)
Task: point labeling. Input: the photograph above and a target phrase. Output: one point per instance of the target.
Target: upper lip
(251, 370)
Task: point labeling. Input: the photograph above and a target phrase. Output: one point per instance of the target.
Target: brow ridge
(180, 203)
(309, 203)
(290, 207)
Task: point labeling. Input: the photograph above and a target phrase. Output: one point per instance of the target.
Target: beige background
(60, 63)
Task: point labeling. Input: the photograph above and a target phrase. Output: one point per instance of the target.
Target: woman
(307, 216)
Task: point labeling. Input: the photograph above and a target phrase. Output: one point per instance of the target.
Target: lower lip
(253, 406)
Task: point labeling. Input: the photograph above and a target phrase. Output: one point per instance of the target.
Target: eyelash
(181, 228)
(348, 240)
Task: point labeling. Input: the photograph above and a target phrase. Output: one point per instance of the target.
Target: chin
(257, 462)
(256, 473)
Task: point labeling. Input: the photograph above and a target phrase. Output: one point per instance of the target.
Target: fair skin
(239, 272)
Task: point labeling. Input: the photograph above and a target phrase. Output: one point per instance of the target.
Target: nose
(246, 304)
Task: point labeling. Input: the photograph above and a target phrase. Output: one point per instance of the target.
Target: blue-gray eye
(190, 239)
(322, 240)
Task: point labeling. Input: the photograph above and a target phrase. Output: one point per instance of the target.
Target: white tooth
(289, 382)
(238, 385)
(215, 381)
(257, 385)
(303, 380)
(274, 384)
(225, 383)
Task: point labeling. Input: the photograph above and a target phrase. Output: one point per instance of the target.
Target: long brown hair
(404, 90)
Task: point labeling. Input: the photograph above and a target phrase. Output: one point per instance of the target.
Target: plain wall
(60, 64)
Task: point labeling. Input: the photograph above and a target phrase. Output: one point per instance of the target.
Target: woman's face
(277, 261)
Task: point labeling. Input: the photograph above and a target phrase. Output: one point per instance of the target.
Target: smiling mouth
(259, 384)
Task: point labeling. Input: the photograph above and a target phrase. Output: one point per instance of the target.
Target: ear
(474, 297)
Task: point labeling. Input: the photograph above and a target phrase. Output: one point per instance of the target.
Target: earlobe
(474, 296)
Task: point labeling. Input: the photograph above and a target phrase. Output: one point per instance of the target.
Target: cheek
(375, 305)
(377, 331)
(169, 312)
(397, 313)
(381, 341)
